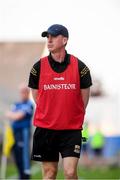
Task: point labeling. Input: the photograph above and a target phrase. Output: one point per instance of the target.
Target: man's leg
(70, 167)
(70, 148)
(49, 170)
(26, 153)
(45, 150)
(18, 152)
(21, 152)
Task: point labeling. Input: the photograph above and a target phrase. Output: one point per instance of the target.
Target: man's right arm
(34, 94)
(34, 80)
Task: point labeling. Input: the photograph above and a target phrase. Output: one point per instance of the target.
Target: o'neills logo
(59, 86)
(59, 78)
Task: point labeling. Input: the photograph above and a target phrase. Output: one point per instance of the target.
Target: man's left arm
(15, 115)
(26, 109)
(85, 82)
(85, 96)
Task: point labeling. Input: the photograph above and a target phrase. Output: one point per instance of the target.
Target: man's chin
(51, 50)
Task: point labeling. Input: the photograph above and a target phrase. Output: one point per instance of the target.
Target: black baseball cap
(55, 30)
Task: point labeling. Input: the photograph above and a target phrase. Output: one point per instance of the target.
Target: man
(60, 86)
(20, 116)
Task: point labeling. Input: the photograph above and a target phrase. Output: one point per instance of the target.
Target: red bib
(59, 102)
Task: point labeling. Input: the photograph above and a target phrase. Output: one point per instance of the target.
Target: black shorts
(47, 144)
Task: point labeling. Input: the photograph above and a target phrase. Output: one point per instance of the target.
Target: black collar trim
(66, 60)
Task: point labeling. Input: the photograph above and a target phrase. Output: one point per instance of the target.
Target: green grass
(84, 173)
(99, 173)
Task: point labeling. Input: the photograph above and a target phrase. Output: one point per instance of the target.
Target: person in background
(20, 116)
(97, 144)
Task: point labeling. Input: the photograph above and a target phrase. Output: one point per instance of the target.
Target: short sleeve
(34, 76)
(27, 109)
(85, 76)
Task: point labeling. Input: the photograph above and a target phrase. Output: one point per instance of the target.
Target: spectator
(97, 144)
(20, 117)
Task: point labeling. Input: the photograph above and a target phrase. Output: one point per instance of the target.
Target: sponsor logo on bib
(59, 86)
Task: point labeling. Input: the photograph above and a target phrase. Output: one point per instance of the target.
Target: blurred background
(94, 28)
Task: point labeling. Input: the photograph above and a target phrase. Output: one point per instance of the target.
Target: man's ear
(65, 40)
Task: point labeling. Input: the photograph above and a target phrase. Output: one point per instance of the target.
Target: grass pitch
(83, 173)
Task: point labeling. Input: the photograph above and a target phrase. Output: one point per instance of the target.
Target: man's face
(56, 43)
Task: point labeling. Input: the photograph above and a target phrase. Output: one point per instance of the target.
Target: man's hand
(14, 115)
(8, 114)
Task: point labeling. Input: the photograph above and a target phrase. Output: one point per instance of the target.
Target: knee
(70, 173)
(49, 173)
